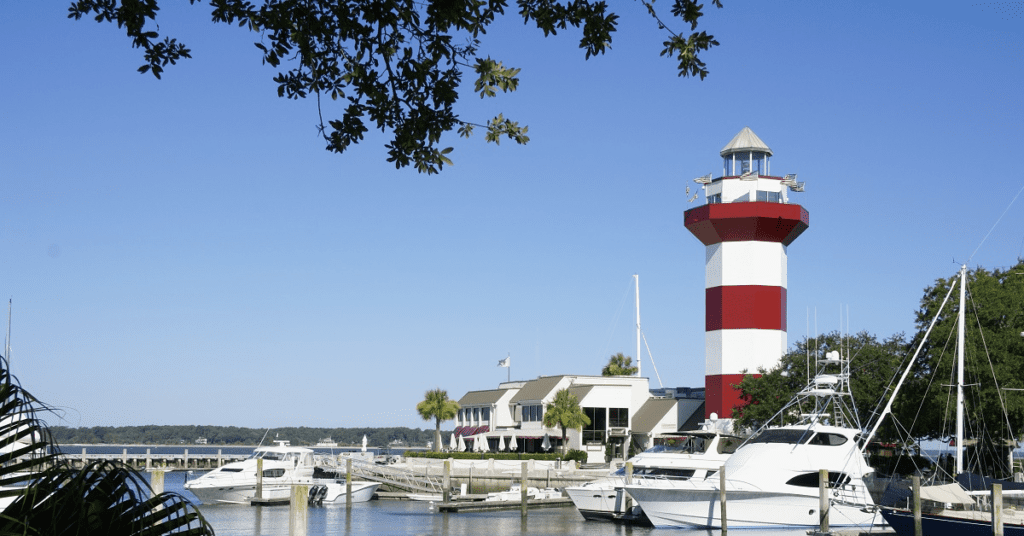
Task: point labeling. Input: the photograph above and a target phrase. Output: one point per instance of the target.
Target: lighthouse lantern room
(746, 227)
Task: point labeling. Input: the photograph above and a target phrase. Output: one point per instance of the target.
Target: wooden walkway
(484, 506)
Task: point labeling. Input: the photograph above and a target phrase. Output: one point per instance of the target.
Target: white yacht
(283, 467)
(690, 455)
(772, 478)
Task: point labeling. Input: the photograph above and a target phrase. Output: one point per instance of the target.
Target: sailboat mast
(636, 279)
(960, 374)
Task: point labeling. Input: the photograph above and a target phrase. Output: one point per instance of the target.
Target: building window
(769, 197)
(713, 199)
(533, 413)
(476, 414)
(485, 414)
(618, 417)
(594, 432)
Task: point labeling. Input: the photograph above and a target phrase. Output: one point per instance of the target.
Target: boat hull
(243, 493)
(694, 508)
(902, 521)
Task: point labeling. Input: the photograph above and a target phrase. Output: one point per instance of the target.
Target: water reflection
(410, 518)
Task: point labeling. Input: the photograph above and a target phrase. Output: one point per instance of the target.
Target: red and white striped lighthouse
(746, 226)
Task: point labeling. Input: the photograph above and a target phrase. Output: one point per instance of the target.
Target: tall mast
(636, 278)
(960, 375)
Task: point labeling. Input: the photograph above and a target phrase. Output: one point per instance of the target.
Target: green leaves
(565, 412)
(396, 63)
(52, 497)
(436, 405)
(493, 75)
(619, 365)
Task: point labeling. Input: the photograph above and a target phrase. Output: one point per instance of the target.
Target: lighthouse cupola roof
(745, 142)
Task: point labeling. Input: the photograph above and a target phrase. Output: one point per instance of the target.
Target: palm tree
(49, 496)
(619, 365)
(565, 412)
(437, 406)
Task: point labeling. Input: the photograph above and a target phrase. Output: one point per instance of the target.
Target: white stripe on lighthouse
(747, 349)
(745, 263)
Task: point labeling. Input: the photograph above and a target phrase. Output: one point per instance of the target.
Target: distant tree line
(233, 435)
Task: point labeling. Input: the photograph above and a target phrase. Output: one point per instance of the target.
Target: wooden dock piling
(721, 498)
(522, 489)
(916, 491)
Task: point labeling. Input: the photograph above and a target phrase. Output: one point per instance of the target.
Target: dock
(486, 506)
(167, 462)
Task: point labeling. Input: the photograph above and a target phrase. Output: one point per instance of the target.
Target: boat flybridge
(283, 467)
(772, 478)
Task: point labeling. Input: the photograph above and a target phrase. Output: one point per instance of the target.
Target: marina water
(414, 518)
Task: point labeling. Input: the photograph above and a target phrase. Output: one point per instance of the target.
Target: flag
(507, 362)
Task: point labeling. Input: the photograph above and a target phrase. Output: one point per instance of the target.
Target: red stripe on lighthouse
(737, 222)
(745, 307)
(720, 397)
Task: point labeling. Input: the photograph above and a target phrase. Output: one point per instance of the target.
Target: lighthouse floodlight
(706, 179)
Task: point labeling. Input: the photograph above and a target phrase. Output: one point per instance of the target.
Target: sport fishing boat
(694, 454)
(283, 467)
(772, 480)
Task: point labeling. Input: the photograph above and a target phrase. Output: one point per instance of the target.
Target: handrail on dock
(402, 479)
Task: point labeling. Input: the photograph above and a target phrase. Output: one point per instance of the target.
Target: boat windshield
(658, 472)
(679, 445)
(792, 437)
(270, 455)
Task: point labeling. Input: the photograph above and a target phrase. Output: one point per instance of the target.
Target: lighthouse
(746, 226)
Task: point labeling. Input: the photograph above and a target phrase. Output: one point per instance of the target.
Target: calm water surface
(411, 518)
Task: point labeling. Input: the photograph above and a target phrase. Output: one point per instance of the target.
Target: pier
(147, 461)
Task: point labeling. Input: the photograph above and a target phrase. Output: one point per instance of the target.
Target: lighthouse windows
(769, 197)
(737, 164)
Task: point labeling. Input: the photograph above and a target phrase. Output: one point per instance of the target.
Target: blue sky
(184, 251)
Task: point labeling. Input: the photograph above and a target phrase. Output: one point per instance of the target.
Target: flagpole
(509, 367)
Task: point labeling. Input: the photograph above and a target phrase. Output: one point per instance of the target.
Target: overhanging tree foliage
(395, 65)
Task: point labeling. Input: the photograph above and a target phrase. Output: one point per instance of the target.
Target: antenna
(636, 278)
(790, 181)
(694, 197)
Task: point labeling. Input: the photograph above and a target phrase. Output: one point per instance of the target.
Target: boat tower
(746, 226)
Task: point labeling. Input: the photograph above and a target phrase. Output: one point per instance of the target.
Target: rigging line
(995, 224)
(615, 319)
(988, 356)
(649, 354)
(888, 405)
(931, 381)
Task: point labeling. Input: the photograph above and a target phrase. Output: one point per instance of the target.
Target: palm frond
(49, 496)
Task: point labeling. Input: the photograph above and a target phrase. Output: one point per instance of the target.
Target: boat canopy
(946, 493)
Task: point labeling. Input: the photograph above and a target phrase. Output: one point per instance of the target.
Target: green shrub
(576, 455)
